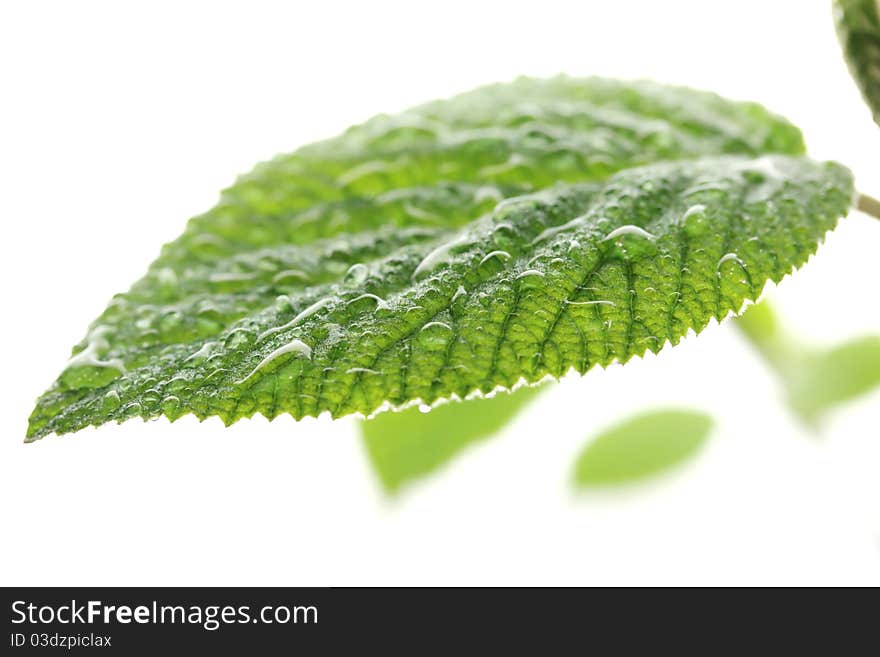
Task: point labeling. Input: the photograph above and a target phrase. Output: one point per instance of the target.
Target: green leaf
(858, 28)
(408, 445)
(510, 233)
(816, 380)
(837, 375)
(760, 323)
(642, 446)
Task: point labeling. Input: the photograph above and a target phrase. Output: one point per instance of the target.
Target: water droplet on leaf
(356, 274)
(435, 335)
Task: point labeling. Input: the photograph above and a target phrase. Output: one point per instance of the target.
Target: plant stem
(868, 205)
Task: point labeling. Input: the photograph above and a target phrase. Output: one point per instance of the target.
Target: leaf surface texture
(508, 234)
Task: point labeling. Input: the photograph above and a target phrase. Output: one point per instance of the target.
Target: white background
(117, 124)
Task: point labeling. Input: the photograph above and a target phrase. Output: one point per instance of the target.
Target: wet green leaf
(642, 446)
(858, 28)
(408, 445)
(510, 233)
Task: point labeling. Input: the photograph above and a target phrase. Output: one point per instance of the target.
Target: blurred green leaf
(816, 380)
(858, 28)
(642, 446)
(761, 326)
(835, 376)
(410, 444)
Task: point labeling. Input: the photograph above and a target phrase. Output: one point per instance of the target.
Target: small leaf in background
(834, 376)
(762, 327)
(642, 446)
(858, 28)
(816, 380)
(408, 445)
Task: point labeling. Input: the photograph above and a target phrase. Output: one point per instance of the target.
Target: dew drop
(133, 409)
(434, 336)
(631, 241)
(380, 302)
(458, 301)
(170, 404)
(555, 230)
(441, 255)
(238, 338)
(179, 383)
(696, 221)
(504, 255)
(111, 401)
(628, 230)
(356, 274)
(305, 314)
(202, 353)
(298, 347)
(530, 279)
(710, 188)
(599, 302)
(504, 236)
(730, 257)
(290, 277)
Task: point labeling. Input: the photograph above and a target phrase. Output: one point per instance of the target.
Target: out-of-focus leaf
(410, 444)
(816, 380)
(834, 376)
(858, 28)
(641, 446)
